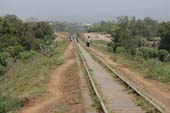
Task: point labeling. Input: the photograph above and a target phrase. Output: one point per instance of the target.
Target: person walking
(77, 39)
(88, 41)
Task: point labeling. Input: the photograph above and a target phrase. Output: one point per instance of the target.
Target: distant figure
(77, 39)
(88, 42)
(70, 38)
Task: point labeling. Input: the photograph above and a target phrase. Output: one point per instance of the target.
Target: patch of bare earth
(160, 91)
(97, 36)
(63, 88)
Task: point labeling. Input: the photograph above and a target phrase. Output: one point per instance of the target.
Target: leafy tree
(20, 38)
(165, 36)
(121, 34)
(15, 50)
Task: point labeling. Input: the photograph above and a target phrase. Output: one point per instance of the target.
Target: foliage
(14, 50)
(3, 61)
(18, 38)
(107, 27)
(3, 69)
(149, 53)
(25, 54)
(3, 57)
(164, 32)
(162, 54)
(72, 28)
(120, 50)
(157, 70)
(9, 103)
(132, 33)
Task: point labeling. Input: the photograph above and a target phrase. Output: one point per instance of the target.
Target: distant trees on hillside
(67, 27)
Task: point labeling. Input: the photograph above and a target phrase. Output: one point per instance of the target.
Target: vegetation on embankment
(28, 53)
(150, 68)
(25, 78)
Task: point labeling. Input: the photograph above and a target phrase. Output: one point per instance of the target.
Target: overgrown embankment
(26, 77)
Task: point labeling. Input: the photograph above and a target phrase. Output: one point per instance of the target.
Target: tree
(121, 34)
(150, 27)
(20, 38)
(165, 36)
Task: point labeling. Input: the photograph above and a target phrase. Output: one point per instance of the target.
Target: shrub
(149, 53)
(162, 54)
(8, 104)
(153, 53)
(109, 49)
(2, 69)
(109, 44)
(120, 50)
(25, 54)
(14, 50)
(3, 57)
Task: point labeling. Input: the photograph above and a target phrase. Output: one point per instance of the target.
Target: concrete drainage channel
(142, 94)
(92, 83)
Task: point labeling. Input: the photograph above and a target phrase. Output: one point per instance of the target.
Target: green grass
(26, 77)
(151, 69)
(9, 103)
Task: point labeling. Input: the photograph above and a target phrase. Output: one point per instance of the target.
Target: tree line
(20, 40)
(72, 28)
(131, 35)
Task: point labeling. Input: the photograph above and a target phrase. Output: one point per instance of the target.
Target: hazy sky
(85, 10)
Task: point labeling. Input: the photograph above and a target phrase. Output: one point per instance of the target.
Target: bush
(158, 70)
(109, 44)
(8, 104)
(14, 50)
(149, 53)
(162, 54)
(3, 57)
(120, 50)
(25, 54)
(2, 69)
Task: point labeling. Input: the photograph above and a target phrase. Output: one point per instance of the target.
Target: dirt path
(45, 104)
(157, 90)
(116, 98)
